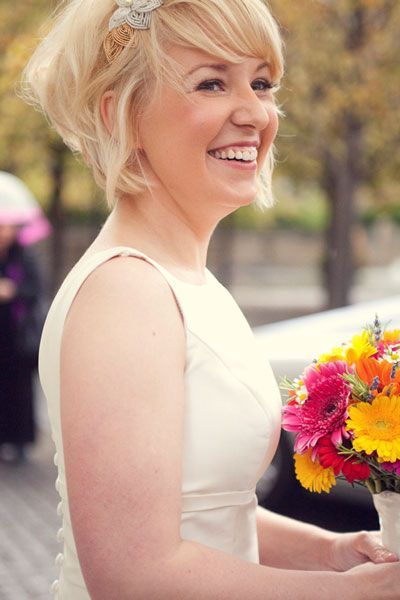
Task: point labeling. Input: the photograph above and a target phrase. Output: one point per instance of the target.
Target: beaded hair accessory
(130, 16)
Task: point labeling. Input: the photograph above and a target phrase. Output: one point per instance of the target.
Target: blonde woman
(163, 413)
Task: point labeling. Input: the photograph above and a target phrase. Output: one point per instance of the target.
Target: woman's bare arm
(122, 402)
(321, 550)
(279, 538)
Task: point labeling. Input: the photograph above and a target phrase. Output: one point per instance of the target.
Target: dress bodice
(231, 417)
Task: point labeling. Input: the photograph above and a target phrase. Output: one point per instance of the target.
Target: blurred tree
(28, 146)
(341, 96)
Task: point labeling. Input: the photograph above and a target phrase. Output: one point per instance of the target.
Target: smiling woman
(206, 130)
(72, 58)
(163, 411)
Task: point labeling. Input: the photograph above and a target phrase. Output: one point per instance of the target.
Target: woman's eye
(209, 85)
(263, 85)
(213, 85)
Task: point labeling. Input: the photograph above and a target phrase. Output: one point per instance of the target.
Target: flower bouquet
(345, 413)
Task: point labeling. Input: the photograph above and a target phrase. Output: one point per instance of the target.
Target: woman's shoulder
(123, 308)
(124, 282)
(123, 268)
(114, 267)
(113, 283)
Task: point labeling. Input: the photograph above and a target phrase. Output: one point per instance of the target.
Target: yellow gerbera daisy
(360, 348)
(376, 427)
(312, 475)
(335, 354)
(391, 337)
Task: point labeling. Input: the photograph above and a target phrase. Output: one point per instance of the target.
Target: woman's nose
(251, 111)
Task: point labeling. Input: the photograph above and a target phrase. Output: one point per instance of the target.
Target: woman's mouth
(244, 159)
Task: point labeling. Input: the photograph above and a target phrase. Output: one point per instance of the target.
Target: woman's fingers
(351, 549)
(369, 544)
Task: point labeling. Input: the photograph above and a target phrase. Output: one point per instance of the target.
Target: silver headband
(135, 13)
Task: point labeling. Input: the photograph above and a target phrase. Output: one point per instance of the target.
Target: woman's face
(226, 108)
(8, 235)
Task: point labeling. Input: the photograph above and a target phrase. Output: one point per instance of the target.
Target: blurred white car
(290, 346)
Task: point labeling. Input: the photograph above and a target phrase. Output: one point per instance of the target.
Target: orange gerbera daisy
(369, 368)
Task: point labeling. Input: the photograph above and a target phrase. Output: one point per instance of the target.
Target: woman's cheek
(273, 121)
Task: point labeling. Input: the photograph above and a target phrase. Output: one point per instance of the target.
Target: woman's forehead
(191, 59)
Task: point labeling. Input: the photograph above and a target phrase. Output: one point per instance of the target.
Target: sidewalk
(29, 522)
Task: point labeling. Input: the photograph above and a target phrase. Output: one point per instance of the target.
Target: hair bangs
(229, 30)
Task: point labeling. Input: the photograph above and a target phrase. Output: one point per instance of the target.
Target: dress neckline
(127, 249)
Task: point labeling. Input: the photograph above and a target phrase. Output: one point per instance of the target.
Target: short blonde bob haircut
(68, 74)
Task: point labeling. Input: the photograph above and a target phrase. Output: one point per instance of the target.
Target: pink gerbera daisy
(393, 467)
(325, 410)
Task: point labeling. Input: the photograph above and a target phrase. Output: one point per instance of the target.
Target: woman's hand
(349, 550)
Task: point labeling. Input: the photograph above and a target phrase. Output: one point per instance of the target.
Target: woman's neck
(165, 235)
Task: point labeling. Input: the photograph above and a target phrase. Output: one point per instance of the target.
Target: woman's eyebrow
(221, 67)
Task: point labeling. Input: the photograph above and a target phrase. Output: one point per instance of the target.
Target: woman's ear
(107, 110)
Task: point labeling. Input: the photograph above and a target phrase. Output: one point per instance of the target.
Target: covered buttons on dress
(59, 560)
(60, 535)
(55, 586)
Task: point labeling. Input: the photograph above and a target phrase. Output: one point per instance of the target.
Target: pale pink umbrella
(19, 207)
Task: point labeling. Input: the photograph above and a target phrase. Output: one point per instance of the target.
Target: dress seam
(228, 368)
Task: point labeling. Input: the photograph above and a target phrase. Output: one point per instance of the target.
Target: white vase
(387, 505)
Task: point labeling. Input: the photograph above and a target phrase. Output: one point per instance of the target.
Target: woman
(21, 314)
(163, 413)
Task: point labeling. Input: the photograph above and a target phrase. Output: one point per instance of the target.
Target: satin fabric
(231, 422)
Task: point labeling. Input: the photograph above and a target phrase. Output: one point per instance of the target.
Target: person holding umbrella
(22, 223)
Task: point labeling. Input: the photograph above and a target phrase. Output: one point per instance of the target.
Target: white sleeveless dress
(231, 423)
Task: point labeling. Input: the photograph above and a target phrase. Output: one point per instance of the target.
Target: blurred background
(331, 240)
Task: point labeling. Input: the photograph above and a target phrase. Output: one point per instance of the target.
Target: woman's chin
(240, 198)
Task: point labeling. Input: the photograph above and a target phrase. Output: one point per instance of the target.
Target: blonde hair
(68, 74)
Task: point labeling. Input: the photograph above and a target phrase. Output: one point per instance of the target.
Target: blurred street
(28, 521)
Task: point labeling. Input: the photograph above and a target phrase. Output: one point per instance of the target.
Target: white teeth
(248, 155)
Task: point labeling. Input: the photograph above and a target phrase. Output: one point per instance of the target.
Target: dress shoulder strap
(88, 264)
(53, 328)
